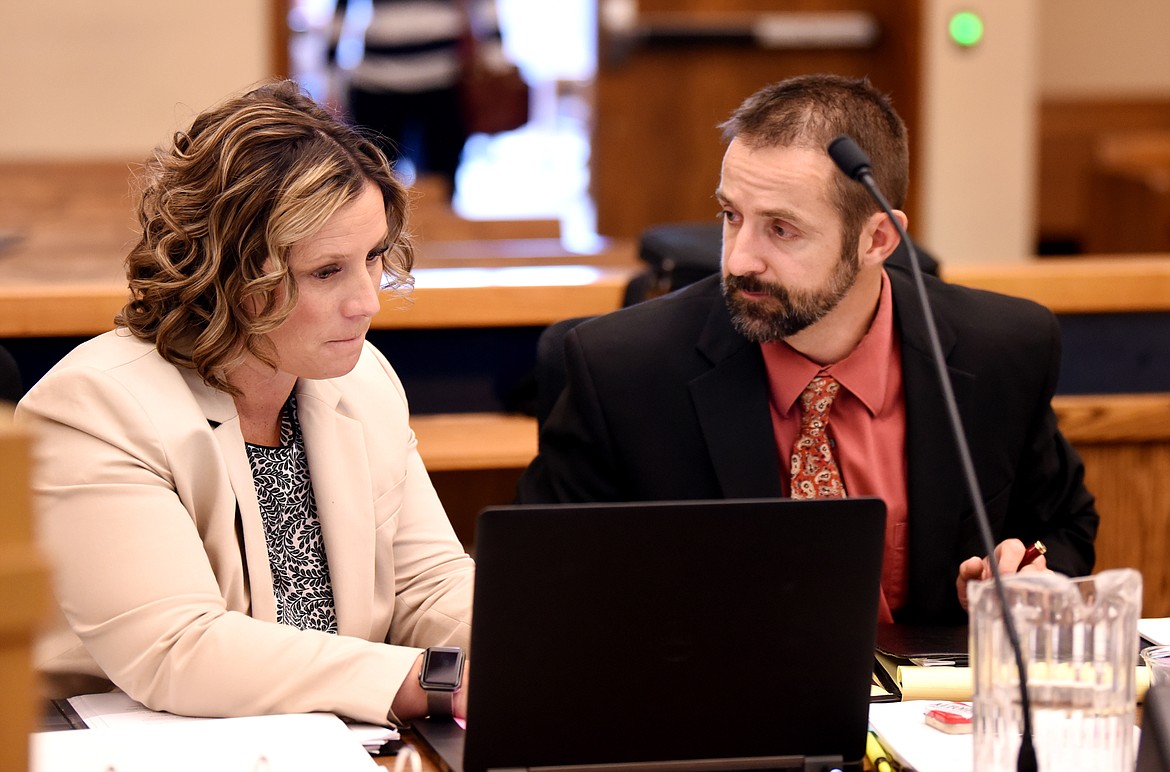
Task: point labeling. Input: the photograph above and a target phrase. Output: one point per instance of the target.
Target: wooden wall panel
(656, 150)
(1125, 442)
(1070, 130)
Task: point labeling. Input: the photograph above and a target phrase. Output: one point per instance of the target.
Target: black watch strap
(440, 704)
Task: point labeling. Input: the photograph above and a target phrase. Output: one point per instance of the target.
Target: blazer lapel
(342, 487)
(220, 410)
(936, 487)
(731, 401)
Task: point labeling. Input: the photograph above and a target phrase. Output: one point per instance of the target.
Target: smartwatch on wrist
(440, 677)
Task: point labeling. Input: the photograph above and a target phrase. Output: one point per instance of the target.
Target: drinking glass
(1157, 659)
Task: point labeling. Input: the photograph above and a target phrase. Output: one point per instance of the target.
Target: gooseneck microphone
(853, 161)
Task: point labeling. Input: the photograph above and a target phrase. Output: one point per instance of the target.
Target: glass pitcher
(1079, 640)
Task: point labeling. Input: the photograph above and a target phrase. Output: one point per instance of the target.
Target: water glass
(1157, 659)
(1078, 638)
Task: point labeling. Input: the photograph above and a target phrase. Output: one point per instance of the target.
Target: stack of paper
(293, 743)
(115, 710)
(1156, 631)
(904, 733)
(915, 682)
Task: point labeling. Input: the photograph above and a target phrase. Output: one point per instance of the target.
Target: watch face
(442, 667)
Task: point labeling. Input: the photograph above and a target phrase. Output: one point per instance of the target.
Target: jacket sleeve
(1049, 498)
(143, 592)
(575, 459)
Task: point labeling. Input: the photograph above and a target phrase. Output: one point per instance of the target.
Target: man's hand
(1009, 553)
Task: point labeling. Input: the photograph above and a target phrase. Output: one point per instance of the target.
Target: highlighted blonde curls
(221, 209)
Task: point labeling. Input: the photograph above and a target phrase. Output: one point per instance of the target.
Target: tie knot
(818, 396)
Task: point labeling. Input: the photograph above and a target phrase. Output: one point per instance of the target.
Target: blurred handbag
(494, 95)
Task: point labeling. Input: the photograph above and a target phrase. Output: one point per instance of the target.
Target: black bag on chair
(11, 389)
(676, 255)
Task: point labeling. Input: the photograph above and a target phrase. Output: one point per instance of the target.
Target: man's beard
(785, 312)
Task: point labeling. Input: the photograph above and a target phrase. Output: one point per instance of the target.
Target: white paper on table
(112, 710)
(1156, 631)
(905, 735)
(306, 742)
(902, 729)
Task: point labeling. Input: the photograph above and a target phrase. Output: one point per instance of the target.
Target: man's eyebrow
(782, 214)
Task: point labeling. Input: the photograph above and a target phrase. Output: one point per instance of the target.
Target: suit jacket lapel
(731, 401)
(936, 488)
(342, 487)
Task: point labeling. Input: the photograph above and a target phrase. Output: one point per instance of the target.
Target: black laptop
(702, 635)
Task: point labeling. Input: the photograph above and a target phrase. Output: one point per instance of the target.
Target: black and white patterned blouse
(296, 550)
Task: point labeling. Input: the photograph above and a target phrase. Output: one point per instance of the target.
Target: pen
(1033, 552)
(876, 753)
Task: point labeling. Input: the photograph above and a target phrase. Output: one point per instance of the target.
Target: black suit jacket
(664, 400)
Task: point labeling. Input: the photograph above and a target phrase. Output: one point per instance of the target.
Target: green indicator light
(966, 29)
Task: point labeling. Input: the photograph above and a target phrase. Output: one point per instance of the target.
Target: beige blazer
(148, 516)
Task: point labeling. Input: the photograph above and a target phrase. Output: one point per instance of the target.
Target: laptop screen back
(622, 633)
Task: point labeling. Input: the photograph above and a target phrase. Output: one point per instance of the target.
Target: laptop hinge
(823, 763)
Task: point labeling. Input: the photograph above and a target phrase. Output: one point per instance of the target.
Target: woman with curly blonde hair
(231, 499)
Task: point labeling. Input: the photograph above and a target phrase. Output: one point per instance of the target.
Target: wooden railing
(23, 597)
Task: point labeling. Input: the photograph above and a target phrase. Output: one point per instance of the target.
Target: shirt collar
(863, 373)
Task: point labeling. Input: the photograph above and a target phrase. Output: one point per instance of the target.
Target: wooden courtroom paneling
(1129, 193)
(1069, 132)
(1125, 442)
(23, 597)
(474, 460)
(656, 150)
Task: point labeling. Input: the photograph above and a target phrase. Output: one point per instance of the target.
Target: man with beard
(805, 370)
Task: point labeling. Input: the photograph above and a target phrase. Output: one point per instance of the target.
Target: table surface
(429, 762)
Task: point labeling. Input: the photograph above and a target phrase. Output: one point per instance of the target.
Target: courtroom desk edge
(1076, 285)
(467, 441)
(1113, 418)
(58, 310)
(55, 310)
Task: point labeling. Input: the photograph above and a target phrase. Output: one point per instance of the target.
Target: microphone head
(849, 157)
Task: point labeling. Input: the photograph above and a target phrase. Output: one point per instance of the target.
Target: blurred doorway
(540, 171)
(626, 96)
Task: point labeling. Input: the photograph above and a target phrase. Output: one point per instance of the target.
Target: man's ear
(879, 237)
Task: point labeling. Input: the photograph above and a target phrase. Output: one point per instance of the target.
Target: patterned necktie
(815, 474)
